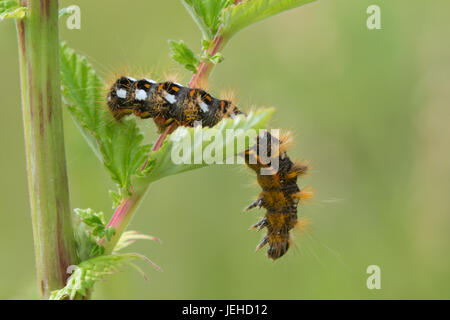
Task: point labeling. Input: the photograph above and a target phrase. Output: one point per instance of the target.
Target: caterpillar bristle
(121, 71)
(285, 141)
(173, 76)
(201, 84)
(229, 95)
(297, 169)
(305, 193)
(303, 225)
(170, 102)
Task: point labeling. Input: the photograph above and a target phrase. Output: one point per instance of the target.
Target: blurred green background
(369, 109)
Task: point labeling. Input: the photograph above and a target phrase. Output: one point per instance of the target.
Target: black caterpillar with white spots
(169, 102)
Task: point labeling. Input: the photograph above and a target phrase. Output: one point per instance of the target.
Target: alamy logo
(74, 17)
(374, 280)
(70, 269)
(374, 20)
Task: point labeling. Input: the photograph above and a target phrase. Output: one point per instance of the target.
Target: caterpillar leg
(142, 113)
(278, 241)
(263, 242)
(261, 224)
(257, 203)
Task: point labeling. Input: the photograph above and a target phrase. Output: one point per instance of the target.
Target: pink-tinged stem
(121, 218)
(160, 141)
(201, 76)
(124, 212)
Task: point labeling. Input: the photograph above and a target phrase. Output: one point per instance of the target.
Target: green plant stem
(54, 240)
(125, 211)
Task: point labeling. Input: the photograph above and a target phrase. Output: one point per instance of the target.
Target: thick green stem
(54, 240)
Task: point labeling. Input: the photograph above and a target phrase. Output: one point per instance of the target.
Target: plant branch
(125, 211)
(54, 240)
(201, 76)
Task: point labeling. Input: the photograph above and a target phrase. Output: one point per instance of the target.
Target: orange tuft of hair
(304, 224)
(305, 193)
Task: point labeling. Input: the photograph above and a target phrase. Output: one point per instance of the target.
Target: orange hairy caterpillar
(280, 193)
(169, 102)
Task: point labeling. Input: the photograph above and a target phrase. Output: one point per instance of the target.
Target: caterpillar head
(120, 97)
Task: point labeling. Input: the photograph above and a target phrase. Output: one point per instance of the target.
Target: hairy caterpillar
(169, 102)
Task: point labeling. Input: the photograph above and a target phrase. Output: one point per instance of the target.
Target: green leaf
(91, 227)
(129, 237)
(118, 144)
(7, 4)
(109, 232)
(123, 151)
(205, 44)
(90, 217)
(11, 9)
(90, 271)
(206, 13)
(183, 55)
(82, 92)
(87, 246)
(116, 198)
(196, 141)
(237, 17)
(217, 58)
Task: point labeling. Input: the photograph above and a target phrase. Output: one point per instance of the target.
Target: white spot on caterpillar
(121, 93)
(151, 81)
(140, 95)
(170, 98)
(131, 79)
(232, 115)
(178, 84)
(204, 107)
